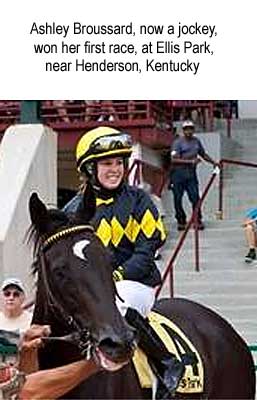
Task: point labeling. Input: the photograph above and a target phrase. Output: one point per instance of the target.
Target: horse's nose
(117, 346)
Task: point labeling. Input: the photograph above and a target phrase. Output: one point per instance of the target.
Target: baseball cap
(188, 124)
(13, 282)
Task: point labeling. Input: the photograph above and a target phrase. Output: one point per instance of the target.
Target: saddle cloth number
(178, 344)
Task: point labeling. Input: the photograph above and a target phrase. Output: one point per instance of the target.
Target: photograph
(128, 248)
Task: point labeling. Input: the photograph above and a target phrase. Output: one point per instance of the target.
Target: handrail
(72, 112)
(137, 163)
(193, 220)
(224, 161)
(253, 349)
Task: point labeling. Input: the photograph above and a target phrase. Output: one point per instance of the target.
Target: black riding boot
(168, 369)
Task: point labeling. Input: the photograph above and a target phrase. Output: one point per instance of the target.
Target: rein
(82, 336)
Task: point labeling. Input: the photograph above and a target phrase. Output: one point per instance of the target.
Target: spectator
(92, 109)
(61, 110)
(187, 152)
(14, 317)
(108, 111)
(44, 384)
(250, 225)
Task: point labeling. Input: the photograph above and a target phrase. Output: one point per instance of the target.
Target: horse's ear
(38, 213)
(87, 208)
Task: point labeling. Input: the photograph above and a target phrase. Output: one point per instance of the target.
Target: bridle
(80, 337)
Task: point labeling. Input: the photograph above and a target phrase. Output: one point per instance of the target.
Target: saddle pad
(178, 344)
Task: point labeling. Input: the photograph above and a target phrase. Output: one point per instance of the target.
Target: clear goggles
(111, 142)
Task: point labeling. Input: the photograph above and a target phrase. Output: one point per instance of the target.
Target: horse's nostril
(108, 343)
(117, 349)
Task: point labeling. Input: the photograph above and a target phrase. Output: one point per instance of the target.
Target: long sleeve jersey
(130, 226)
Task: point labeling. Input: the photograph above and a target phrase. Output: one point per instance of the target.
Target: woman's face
(110, 172)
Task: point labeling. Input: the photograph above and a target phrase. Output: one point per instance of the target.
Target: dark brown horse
(75, 293)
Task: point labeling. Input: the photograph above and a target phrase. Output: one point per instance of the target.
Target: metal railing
(193, 221)
(136, 170)
(223, 162)
(253, 349)
(61, 111)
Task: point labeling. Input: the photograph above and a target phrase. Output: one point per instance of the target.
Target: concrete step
(225, 282)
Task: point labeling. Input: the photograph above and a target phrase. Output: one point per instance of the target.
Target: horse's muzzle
(115, 348)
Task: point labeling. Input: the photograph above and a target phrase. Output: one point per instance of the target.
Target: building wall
(28, 163)
(247, 109)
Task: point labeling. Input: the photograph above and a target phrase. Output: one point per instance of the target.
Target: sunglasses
(15, 293)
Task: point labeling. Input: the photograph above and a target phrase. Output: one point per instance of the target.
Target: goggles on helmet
(113, 142)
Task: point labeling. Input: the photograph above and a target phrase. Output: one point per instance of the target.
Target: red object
(5, 374)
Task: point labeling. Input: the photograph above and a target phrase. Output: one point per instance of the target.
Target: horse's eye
(79, 247)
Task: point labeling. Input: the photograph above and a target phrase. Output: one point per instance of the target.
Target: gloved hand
(118, 274)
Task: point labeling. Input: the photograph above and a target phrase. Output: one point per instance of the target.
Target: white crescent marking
(78, 248)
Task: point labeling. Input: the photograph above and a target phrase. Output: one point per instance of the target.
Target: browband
(65, 232)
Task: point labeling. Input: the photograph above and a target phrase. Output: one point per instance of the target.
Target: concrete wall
(247, 109)
(28, 162)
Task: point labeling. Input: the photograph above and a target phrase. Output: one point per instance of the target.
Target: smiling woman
(111, 172)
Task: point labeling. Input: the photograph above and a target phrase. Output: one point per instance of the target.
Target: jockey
(129, 225)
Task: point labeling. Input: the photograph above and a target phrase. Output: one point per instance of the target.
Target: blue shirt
(251, 213)
(187, 150)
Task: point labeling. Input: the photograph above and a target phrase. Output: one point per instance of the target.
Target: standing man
(14, 317)
(187, 151)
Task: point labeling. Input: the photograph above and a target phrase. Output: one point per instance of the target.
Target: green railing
(253, 349)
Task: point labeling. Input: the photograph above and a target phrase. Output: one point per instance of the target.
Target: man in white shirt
(13, 317)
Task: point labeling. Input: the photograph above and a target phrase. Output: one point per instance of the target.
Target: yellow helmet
(102, 142)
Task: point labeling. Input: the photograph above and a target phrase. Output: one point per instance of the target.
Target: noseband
(81, 337)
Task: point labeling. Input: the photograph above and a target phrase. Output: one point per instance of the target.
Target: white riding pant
(135, 295)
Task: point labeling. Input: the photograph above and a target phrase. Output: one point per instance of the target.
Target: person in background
(250, 226)
(186, 153)
(129, 225)
(13, 317)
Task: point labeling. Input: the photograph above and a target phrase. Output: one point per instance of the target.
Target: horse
(76, 296)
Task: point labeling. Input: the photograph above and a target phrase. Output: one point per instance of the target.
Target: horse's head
(75, 275)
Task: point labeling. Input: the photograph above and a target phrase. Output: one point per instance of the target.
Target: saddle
(178, 344)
